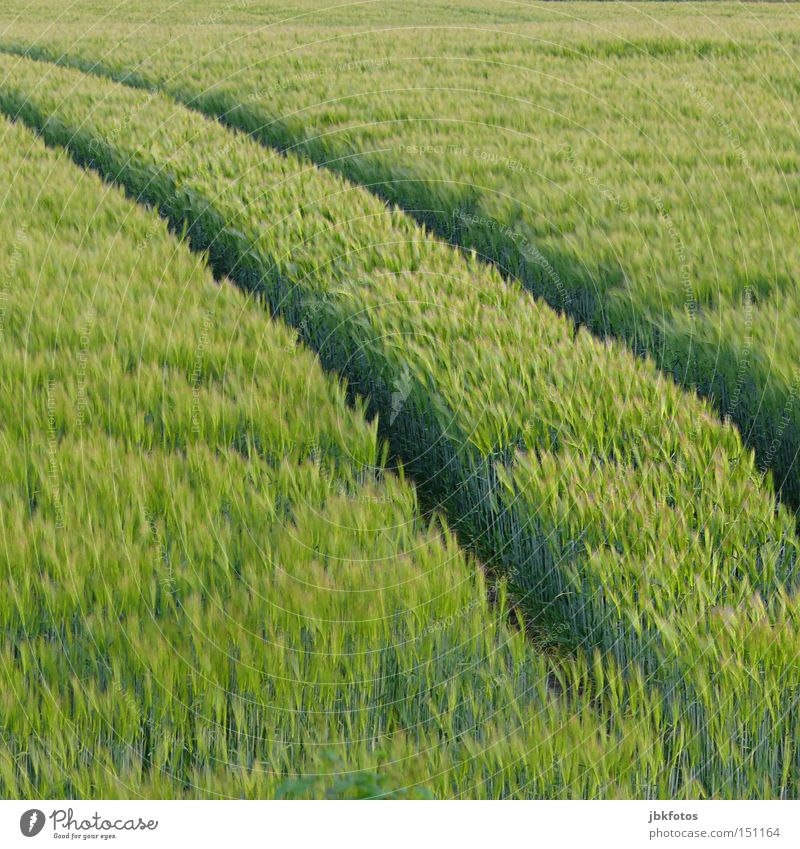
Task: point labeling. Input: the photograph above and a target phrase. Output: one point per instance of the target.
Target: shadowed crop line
(194, 218)
(469, 487)
(232, 252)
(774, 435)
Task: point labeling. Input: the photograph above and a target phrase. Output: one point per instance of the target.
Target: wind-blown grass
(211, 585)
(614, 500)
(595, 154)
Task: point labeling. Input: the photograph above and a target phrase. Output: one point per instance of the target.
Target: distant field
(594, 224)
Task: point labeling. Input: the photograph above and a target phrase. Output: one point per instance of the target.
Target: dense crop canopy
(196, 517)
(634, 165)
(620, 508)
(210, 584)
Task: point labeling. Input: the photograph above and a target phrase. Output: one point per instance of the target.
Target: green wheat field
(399, 400)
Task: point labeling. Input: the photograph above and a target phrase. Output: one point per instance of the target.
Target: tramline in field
(546, 497)
(639, 178)
(213, 587)
(199, 513)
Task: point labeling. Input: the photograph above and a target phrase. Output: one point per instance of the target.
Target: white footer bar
(383, 825)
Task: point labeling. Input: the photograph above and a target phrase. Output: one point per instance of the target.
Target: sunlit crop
(218, 581)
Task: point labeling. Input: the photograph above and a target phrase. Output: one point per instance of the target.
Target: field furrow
(623, 513)
(211, 584)
(611, 174)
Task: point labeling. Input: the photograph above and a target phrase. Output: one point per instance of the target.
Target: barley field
(399, 400)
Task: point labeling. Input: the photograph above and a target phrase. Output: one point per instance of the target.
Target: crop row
(636, 196)
(211, 586)
(619, 507)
